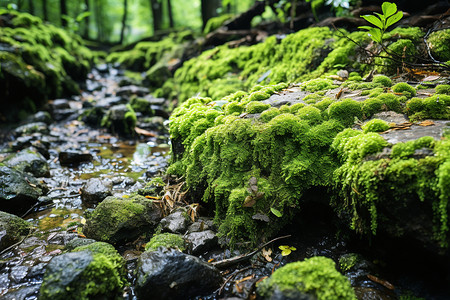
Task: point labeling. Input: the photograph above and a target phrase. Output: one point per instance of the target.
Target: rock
(12, 228)
(166, 240)
(176, 222)
(73, 158)
(313, 278)
(18, 273)
(120, 119)
(170, 274)
(18, 191)
(95, 190)
(29, 161)
(202, 241)
(118, 220)
(132, 90)
(25, 292)
(30, 128)
(109, 101)
(36, 141)
(40, 116)
(81, 275)
(62, 238)
(77, 242)
(60, 104)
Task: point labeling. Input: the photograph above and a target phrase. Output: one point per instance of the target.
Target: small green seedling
(286, 250)
(389, 17)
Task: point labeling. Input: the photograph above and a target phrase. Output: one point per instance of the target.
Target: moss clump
(256, 107)
(317, 84)
(269, 114)
(443, 89)
(166, 240)
(12, 228)
(216, 22)
(434, 107)
(345, 111)
(375, 125)
(316, 276)
(407, 149)
(348, 261)
(403, 87)
(439, 42)
(383, 80)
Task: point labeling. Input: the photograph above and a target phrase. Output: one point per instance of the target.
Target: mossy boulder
(166, 240)
(12, 228)
(438, 42)
(85, 274)
(29, 161)
(118, 220)
(313, 278)
(120, 119)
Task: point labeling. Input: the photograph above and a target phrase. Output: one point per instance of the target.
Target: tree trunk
(98, 20)
(31, 7)
(63, 10)
(169, 11)
(209, 10)
(124, 20)
(44, 10)
(86, 20)
(156, 8)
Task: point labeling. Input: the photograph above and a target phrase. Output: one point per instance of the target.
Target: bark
(31, 7)
(86, 20)
(63, 10)
(244, 20)
(44, 10)
(156, 8)
(124, 20)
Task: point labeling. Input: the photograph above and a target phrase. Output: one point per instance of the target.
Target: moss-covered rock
(166, 240)
(117, 220)
(313, 278)
(438, 42)
(12, 228)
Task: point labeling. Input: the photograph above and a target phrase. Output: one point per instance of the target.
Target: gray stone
(18, 191)
(29, 161)
(176, 222)
(77, 242)
(202, 241)
(73, 158)
(132, 90)
(170, 274)
(30, 128)
(95, 190)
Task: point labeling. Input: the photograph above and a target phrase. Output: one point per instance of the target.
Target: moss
(315, 276)
(348, 261)
(12, 228)
(371, 106)
(345, 111)
(383, 80)
(166, 240)
(269, 114)
(404, 87)
(404, 150)
(443, 89)
(142, 106)
(318, 84)
(312, 114)
(216, 22)
(375, 125)
(434, 107)
(256, 107)
(439, 41)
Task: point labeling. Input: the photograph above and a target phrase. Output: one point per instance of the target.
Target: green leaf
(394, 19)
(286, 252)
(375, 34)
(365, 27)
(276, 212)
(388, 8)
(373, 20)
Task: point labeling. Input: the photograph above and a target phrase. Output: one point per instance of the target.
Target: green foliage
(375, 125)
(166, 240)
(381, 22)
(256, 107)
(315, 276)
(318, 84)
(443, 89)
(403, 87)
(345, 111)
(383, 80)
(434, 107)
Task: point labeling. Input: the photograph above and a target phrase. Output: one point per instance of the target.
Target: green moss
(345, 111)
(434, 107)
(315, 276)
(439, 41)
(216, 22)
(383, 80)
(348, 261)
(310, 113)
(141, 105)
(404, 87)
(443, 89)
(166, 240)
(375, 125)
(318, 84)
(256, 107)
(269, 114)
(404, 150)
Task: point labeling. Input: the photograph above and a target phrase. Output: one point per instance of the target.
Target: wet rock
(18, 191)
(73, 157)
(29, 161)
(77, 242)
(95, 190)
(155, 101)
(25, 292)
(39, 127)
(80, 275)
(132, 90)
(201, 225)
(62, 238)
(110, 101)
(40, 116)
(102, 68)
(202, 241)
(12, 228)
(60, 104)
(37, 141)
(369, 293)
(117, 220)
(170, 274)
(176, 222)
(18, 273)
(120, 119)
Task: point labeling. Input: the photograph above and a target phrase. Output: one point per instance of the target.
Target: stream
(126, 164)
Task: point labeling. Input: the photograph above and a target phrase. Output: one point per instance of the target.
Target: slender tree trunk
(124, 20)
(169, 11)
(209, 10)
(156, 8)
(31, 7)
(44, 10)
(86, 20)
(63, 10)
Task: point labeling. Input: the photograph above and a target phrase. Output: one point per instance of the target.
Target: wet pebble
(202, 241)
(18, 273)
(73, 157)
(95, 190)
(176, 222)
